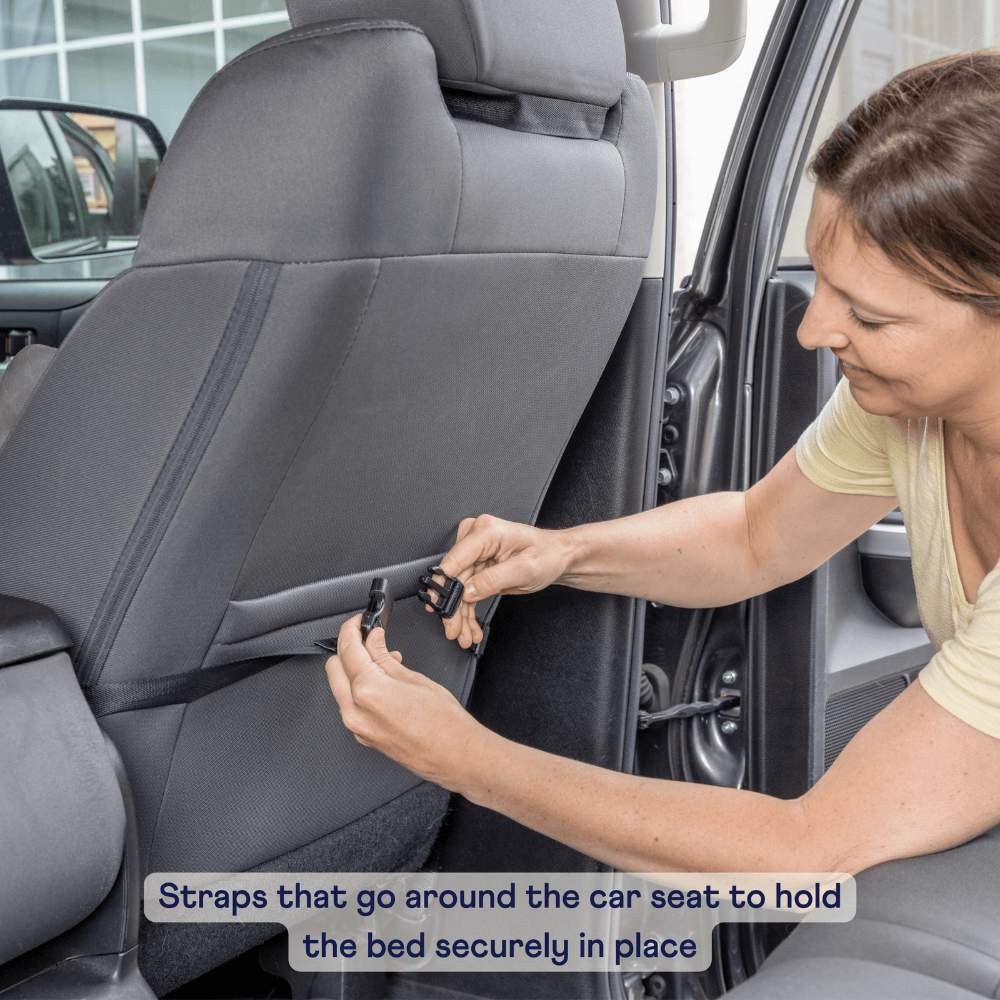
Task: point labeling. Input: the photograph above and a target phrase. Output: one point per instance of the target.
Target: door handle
(886, 571)
(885, 540)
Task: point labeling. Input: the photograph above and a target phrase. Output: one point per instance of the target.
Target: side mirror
(74, 179)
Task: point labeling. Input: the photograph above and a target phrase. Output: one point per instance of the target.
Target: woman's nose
(820, 328)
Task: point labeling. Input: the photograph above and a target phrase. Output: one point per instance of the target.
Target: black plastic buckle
(449, 593)
(376, 615)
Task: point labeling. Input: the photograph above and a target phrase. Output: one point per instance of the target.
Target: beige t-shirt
(847, 450)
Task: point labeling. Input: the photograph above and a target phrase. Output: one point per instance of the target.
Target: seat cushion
(844, 979)
(934, 917)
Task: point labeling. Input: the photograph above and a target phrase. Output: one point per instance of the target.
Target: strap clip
(448, 594)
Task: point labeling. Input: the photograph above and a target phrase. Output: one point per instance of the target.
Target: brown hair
(918, 165)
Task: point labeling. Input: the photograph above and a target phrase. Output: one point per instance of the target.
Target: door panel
(859, 658)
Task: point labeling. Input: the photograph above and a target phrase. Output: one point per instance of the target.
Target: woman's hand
(400, 712)
(492, 556)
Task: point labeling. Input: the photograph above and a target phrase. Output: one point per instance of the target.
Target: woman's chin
(873, 396)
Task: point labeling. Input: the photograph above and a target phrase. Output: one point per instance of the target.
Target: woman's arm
(708, 551)
(721, 548)
(914, 780)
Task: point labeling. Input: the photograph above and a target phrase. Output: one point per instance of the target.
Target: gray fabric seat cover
(353, 319)
(925, 927)
(18, 383)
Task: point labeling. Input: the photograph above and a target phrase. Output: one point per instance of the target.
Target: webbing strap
(174, 689)
(180, 689)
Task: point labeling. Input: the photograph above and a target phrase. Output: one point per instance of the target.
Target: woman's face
(906, 350)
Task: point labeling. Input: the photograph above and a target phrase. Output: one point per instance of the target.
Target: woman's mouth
(848, 369)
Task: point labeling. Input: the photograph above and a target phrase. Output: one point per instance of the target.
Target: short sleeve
(844, 449)
(963, 677)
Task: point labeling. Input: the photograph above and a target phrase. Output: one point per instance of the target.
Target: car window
(149, 56)
(887, 37)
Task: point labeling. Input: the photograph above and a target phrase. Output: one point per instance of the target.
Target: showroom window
(150, 56)
(887, 37)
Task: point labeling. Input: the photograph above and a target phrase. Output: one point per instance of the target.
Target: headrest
(573, 50)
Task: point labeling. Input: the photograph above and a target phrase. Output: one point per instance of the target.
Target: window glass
(700, 151)
(159, 77)
(175, 70)
(239, 8)
(26, 23)
(165, 13)
(30, 76)
(887, 37)
(240, 39)
(87, 18)
(103, 75)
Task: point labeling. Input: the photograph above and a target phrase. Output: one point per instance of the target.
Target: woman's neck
(977, 424)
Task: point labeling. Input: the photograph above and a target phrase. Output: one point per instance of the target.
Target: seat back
(383, 266)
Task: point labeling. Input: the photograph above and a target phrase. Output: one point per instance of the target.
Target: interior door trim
(885, 541)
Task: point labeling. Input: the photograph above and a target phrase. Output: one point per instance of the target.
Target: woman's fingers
(340, 686)
(510, 576)
(351, 650)
(479, 541)
(381, 658)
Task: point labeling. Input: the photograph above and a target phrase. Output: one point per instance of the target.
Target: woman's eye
(865, 324)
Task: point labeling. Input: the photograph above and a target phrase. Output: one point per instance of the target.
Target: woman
(904, 235)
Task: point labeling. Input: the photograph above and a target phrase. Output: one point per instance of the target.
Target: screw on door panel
(730, 677)
(672, 395)
(728, 727)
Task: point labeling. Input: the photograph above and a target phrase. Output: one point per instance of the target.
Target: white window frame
(61, 46)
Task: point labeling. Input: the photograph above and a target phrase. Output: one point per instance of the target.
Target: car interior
(407, 262)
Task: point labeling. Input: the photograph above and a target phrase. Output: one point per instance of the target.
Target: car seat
(385, 261)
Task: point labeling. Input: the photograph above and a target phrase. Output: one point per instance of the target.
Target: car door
(812, 662)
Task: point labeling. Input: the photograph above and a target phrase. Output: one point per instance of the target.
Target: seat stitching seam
(147, 861)
(404, 256)
(461, 183)
(472, 36)
(340, 29)
(238, 315)
(319, 409)
(621, 221)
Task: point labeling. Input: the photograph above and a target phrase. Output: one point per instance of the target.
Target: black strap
(174, 689)
(180, 689)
